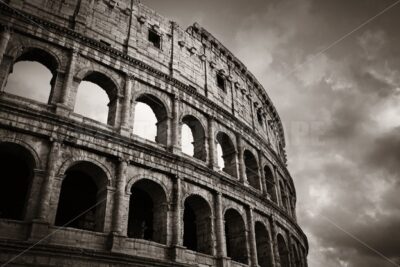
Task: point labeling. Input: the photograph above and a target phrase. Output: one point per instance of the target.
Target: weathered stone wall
(107, 41)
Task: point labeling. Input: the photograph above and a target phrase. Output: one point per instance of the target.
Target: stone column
(241, 165)
(46, 190)
(252, 237)
(290, 251)
(277, 188)
(126, 106)
(177, 239)
(212, 160)
(68, 82)
(219, 227)
(263, 180)
(274, 241)
(175, 143)
(271, 238)
(118, 210)
(4, 39)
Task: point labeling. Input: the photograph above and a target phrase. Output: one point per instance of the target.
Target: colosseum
(79, 192)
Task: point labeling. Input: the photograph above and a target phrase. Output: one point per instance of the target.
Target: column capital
(124, 160)
(130, 76)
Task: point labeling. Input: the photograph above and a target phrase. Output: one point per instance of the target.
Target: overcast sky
(341, 110)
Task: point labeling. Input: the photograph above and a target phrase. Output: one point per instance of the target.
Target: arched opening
(195, 135)
(97, 99)
(83, 197)
(197, 225)
(33, 75)
(270, 183)
(296, 256)
(17, 165)
(145, 122)
(235, 234)
(147, 108)
(263, 245)
(228, 154)
(147, 212)
(251, 169)
(283, 251)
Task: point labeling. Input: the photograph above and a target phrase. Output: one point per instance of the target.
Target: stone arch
(235, 235)
(197, 230)
(74, 160)
(160, 181)
(83, 197)
(252, 173)
(48, 62)
(107, 83)
(147, 217)
(160, 110)
(199, 136)
(228, 153)
(38, 164)
(17, 51)
(283, 251)
(270, 182)
(17, 165)
(263, 245)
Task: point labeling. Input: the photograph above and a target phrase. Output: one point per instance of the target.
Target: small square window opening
(155, 38)
(221, 82)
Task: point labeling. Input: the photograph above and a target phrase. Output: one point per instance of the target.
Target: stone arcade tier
(96, 194)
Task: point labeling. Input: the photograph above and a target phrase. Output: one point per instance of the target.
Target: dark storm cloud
(385, 153)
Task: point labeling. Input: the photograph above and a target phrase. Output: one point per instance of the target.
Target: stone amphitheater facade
(77, 192)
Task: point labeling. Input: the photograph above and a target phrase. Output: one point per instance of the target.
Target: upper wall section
(193, 56)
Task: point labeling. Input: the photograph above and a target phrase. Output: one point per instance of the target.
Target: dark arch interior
(198, 137)
(16, 165)
(263, 245)
(147, 212)
(296, 256)
(197, 225)
(141, 221)
(283, 251)
(235, 237)
(251, 169)
(82, 198)
(161, 114)
(228, 153)
(270, 183)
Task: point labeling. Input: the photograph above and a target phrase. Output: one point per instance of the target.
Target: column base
(125, 131)
(39, 230)
(224, 262)
(175, 149)
(177, 253)
(62, 110)
(214, 167)
(115, 242)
